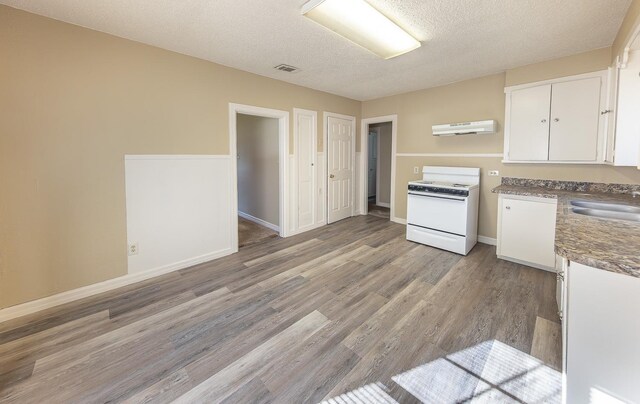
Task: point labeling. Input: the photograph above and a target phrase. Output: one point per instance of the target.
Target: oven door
(440, 212)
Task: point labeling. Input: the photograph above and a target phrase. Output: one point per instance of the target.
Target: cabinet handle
(556, 120)
(507, 207)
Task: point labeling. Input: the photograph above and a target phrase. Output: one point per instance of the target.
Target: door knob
(556, 120)
(544, 121)
(331, 176)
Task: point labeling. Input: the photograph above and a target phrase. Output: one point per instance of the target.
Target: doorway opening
(378, 166)
(259, 150)
(258, 186)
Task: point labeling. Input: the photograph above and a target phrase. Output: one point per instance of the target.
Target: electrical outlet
(494, 173)
(133, 248)
(416, 170)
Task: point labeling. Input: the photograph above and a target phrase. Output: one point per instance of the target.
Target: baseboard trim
(527, 263)
(48, 302)
(306, 229)
(399, 220)
(384, 205)
(259, 221)
(487, 240)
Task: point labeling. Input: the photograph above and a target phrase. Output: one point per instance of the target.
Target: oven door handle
(438, 197)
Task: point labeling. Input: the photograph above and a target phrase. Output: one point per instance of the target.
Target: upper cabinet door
(575, 115)
(529, 124)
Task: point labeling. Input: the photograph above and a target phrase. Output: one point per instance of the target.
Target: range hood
(465, 128)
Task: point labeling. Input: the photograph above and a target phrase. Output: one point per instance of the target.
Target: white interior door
(529, 123)
(306, 156)
(372, 164)
(340, 139)
(575, 113)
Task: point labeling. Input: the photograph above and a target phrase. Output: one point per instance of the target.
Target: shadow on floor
(378, 211)
(250, 233)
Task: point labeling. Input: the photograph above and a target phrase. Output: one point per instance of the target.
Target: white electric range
(442, 209)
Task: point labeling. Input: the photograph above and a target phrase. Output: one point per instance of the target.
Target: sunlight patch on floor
(490, 372)
(371, 393)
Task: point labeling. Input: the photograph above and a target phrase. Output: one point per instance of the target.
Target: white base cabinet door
(526, 230)
(602, 336)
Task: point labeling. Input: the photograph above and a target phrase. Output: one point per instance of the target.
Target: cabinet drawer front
(527, 231)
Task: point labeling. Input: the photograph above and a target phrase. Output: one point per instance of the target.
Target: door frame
(364, 169)
(283, 157)
(325, 140)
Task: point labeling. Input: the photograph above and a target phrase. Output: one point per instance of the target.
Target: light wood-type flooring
(350, 313)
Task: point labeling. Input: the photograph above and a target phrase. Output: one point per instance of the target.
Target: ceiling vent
(287, 68)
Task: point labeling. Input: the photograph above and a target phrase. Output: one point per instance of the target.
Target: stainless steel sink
(608, 214)
(606, 206)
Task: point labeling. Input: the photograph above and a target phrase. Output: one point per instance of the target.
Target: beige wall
(477, 99)
(258, 167)
(629, 26)
(586, 62)
(74, 102)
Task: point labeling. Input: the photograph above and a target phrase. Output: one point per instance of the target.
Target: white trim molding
(259, 221)
(101, 287)
(487, 240)
(462, 155)
(283, 132)
(398, 220)
(364, 147)
(176, 156)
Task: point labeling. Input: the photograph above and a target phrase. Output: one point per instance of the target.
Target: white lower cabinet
(526, 230)
(601, 336)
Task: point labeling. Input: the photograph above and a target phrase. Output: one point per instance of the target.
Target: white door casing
(340, 167)
(283, 135)
(363, 193)
(305, 149)
(373, 163)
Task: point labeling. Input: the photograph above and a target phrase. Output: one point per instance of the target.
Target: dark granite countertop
(608, 244)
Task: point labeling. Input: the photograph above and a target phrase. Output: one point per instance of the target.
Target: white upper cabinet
(530, 123)
(624, 103)
(575, 113)
(557, 121)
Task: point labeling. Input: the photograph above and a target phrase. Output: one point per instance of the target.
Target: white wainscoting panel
(179, 210)
(358, 186)
(321, 216)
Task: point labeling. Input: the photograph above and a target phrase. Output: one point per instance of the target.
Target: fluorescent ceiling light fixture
(362, 24)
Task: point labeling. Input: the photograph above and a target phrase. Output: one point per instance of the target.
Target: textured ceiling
(461, 38)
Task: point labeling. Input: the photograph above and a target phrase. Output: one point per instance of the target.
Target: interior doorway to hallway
(377, 178)
(259, 145)
(258, 161)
